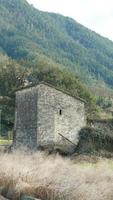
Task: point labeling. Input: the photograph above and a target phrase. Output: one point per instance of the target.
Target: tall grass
(54, 178)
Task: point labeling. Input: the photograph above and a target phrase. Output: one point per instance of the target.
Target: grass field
(52, 177)
(5, 142)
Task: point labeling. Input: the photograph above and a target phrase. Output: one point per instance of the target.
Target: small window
(60, 112)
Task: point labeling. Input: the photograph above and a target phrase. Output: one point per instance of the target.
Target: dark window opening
(60, 112)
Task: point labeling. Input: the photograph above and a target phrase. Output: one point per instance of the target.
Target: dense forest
(27, 33)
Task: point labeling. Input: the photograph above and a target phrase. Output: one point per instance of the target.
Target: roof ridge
(52, 86)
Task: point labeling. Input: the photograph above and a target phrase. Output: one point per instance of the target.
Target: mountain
(29, 34)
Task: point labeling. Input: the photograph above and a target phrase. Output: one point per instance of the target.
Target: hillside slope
(27, 33)
(12, 77)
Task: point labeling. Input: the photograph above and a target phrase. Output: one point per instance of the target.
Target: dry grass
(54, 177)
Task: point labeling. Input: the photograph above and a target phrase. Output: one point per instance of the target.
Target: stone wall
(49, 118)
(26, 118)
(59, 115)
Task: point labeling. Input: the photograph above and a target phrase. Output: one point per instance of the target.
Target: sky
(94, 14)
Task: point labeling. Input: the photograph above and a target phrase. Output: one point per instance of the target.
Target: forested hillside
(27, 33)
(13, 75)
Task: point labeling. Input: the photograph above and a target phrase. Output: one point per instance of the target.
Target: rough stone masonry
(47, 117)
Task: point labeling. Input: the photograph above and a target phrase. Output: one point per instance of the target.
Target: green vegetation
(96, 140)
(13, 75)
(29, 34)
(103, 102)
(9, 71)
(5, 142)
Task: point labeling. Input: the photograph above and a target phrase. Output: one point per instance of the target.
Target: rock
(1, 189)
(28, 198)
(2, 198)
(10, 192)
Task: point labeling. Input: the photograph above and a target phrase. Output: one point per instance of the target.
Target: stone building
(47, 117)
